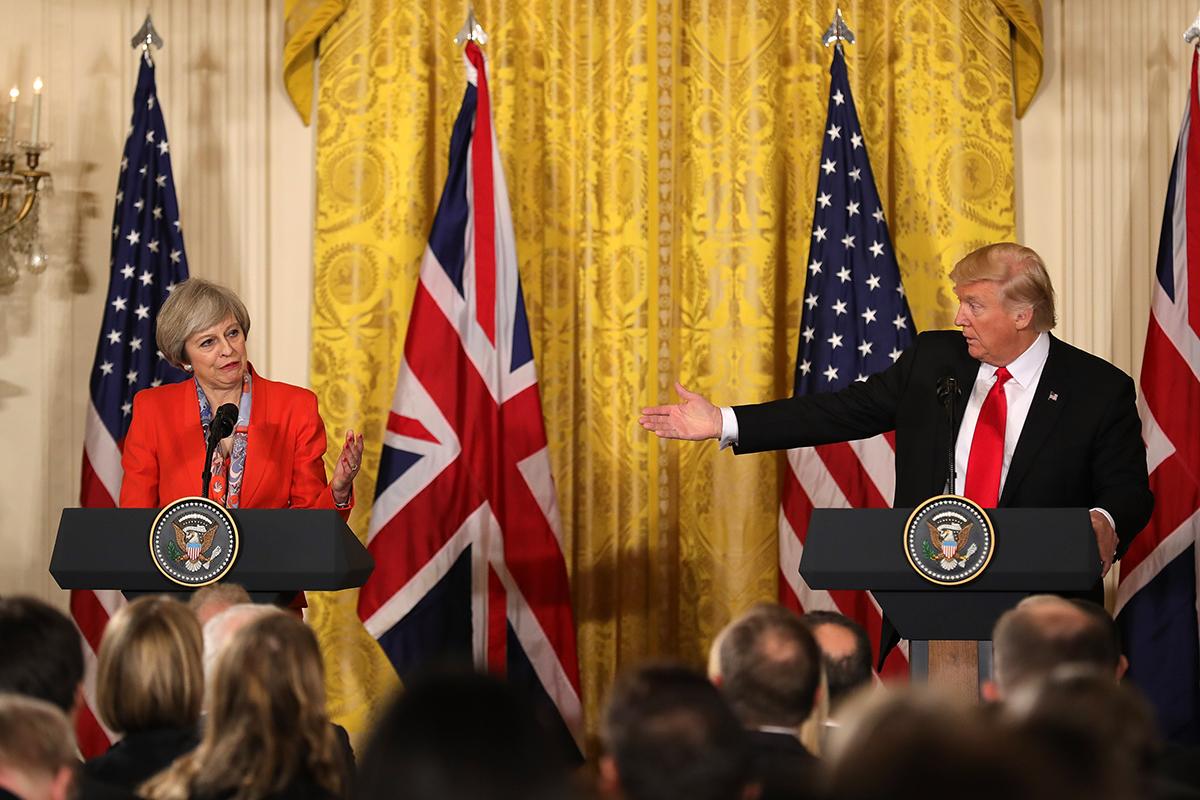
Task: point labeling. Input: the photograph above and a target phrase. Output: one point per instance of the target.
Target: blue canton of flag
(855, 320)
(147, 262)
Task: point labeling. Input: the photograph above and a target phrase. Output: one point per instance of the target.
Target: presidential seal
(194, 542)
(949, 540)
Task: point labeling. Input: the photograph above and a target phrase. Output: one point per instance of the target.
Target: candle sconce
(21, 193)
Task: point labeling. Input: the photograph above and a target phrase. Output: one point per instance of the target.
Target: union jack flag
(1157, 594)
(147, 261)
(855, 322)
(465, 528)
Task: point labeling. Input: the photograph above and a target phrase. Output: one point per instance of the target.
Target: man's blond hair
(1021, 275)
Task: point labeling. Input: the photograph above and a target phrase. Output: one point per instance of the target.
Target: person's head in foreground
(266, 732)
(845, 655)
(669, 735)
(767, 667)
(37, 749)
(1005, 300)
(209, 601)
(1044, 632)
(462, 735)
(150, 672)
(41, 655)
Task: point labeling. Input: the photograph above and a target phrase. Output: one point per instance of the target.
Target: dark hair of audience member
(1045, 632)
(1100, 735)
(922, 745)
(672, 736)
(770, 667)
(266, 732)
(458, 734)
(41, 654)
(149, 673)
(37, 748)
(847, 673)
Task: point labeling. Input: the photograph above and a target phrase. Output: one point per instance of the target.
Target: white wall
(242, 162)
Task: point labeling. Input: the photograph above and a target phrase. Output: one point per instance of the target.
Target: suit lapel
(1051, 396)
(261, 441)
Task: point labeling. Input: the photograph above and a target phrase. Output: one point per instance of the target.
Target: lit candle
(12, 118)
(37, 110)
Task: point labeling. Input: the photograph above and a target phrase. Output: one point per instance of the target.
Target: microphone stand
(949, 391)
(206, 477)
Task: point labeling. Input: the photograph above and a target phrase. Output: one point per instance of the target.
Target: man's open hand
(695, 418)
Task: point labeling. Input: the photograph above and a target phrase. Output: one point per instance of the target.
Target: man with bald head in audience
(768, 667)
(1045, 632)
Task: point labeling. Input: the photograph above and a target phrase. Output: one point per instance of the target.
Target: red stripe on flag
(1171, 391)
(407, 426)
(92, 493)
(847, 471)
(1176, 497)
(497, 625)
(483, 200)
(1192, 214)
(90, 737)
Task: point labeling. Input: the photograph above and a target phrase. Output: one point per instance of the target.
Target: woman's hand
(348, 464)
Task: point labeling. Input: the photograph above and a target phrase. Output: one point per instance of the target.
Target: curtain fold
(303, 23)
(661, 160)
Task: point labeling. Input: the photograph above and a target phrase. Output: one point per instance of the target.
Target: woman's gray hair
(194, 305)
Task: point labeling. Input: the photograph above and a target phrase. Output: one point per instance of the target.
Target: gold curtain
(661, 157)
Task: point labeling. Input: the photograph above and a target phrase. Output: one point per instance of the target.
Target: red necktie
(987, 446)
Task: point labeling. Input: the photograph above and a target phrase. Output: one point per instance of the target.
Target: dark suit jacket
(1081, 445)
(783, 767)
(136, 758)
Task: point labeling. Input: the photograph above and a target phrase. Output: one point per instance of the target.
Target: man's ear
(1023, 317)
(79, 703)
(990, 691)
(1122, 667)
(609, 779)
(63, 784)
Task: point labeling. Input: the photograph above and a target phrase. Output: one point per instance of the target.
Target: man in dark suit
(1040, 423)
(768, 667)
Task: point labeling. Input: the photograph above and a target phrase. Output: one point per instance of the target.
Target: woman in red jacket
(273, 458)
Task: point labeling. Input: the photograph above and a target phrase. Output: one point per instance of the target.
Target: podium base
(956, 668)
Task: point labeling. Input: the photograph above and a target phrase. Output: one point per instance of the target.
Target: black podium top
(281, 550)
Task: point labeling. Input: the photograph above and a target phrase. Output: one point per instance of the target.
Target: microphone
(222, 425)
(222, 422)
(947, 392)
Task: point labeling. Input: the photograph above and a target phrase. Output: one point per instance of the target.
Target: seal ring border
(236, 543)
(957, 498)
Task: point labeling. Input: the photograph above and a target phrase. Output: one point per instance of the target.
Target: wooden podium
(1037, 550)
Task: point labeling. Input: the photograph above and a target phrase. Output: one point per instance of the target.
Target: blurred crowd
(222, 698)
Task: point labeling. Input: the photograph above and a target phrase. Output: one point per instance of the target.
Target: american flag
(465, 527)
(854, 322)
(147, 261)
(1157, 594)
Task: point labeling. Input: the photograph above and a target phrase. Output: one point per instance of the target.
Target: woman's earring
(187, 367)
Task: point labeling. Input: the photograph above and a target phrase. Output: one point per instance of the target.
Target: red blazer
(164, 449)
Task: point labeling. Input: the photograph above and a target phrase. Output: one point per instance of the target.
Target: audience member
(916, 744)
(221, 627)
(1098, 734)
(149, 687)
(41, 655)
(845, 655)
(669, 735)
(266, 734)
(768, 668)
(1045, 632)
(37, 750)
(209, 601)
(464, 736)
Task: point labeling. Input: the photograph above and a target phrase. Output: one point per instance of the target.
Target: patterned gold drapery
(661, 158)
